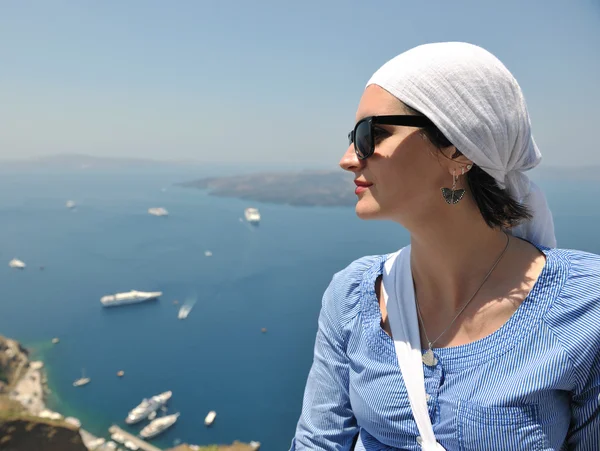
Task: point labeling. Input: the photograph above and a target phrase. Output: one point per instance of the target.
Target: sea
(269, 276)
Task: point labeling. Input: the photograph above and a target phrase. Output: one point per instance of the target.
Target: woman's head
(479, 131)
(401, 180)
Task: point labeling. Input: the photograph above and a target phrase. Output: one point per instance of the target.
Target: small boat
(210, 418)
(55, 340)
(121, 373)
(70, 204)
(82, 380)
(158, 211)
(16, 263)
(208, 253)
(185, 310)
(263, 330)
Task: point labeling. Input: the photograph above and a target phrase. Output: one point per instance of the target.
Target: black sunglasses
(364, 139)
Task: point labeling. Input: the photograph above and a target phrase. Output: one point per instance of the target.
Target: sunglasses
(364, 139)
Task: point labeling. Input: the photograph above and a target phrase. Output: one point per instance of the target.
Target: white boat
(210, 418)
(16, 263)
(185, 310)
(148, 407)
(82, 380)
(208, 253)
(130, 297)
(159, 425)
(130, 445)
(158, 211)
(70, 204)
(252, 215)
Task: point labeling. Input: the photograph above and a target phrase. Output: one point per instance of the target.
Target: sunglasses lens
(363, 140)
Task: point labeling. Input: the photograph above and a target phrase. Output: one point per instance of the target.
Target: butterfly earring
(452, 195)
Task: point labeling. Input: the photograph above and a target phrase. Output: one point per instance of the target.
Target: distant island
(332, 188)
(72, 161)
(305, 188)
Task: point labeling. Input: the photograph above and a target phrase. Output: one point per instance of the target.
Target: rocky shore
(26, 424)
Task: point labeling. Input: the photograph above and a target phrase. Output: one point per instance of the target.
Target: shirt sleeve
(584, 433)
(577, 329)
(327, 422)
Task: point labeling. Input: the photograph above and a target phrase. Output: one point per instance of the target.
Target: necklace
(429, 358)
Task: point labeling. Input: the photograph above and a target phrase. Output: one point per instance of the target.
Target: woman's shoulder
(576, 275)
(574, 312)
(348, 286)
(581, 269)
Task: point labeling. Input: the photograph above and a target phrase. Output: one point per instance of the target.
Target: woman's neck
(450, 257)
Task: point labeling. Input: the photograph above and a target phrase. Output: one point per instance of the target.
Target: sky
(268, 81)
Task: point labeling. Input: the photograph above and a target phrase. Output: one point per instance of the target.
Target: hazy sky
(244, 81)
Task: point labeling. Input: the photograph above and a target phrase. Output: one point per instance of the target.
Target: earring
(453, 196)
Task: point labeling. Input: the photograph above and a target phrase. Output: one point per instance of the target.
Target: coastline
(31, 390)
(28, 387)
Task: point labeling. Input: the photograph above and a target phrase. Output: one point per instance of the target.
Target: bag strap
(399, 295)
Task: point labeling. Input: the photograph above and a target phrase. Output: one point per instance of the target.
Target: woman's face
(405, 173)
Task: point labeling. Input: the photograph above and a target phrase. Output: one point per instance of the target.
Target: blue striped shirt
(534, 384)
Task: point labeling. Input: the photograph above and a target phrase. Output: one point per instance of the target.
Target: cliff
(13, 360)
(24, 433)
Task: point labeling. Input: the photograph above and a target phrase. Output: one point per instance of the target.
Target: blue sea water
(270, 276)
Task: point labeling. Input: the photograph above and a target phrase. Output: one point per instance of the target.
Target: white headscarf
(478, 105)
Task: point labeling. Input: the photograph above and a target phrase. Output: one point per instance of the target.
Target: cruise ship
(159, 425)
(147, 407)
(252, 215)
(131, 297)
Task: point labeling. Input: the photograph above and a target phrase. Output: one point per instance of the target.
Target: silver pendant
(429, 358)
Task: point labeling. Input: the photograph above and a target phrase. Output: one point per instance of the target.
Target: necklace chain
(489, 273)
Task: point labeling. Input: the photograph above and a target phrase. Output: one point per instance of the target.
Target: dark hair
(497, 206)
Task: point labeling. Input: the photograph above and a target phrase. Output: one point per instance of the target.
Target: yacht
(210, 418)
(131, 297)
(147, 407)
(158, 211)
(159, 425)
(252, 215)
(82, 380)
(16, 263)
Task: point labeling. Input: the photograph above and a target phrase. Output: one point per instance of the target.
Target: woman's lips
(361, 186)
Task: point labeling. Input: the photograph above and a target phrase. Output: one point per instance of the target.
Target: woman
(508, 324)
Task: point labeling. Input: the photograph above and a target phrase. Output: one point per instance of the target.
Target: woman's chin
(367, 210)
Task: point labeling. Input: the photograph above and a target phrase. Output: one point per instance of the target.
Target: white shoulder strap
(399, 295)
